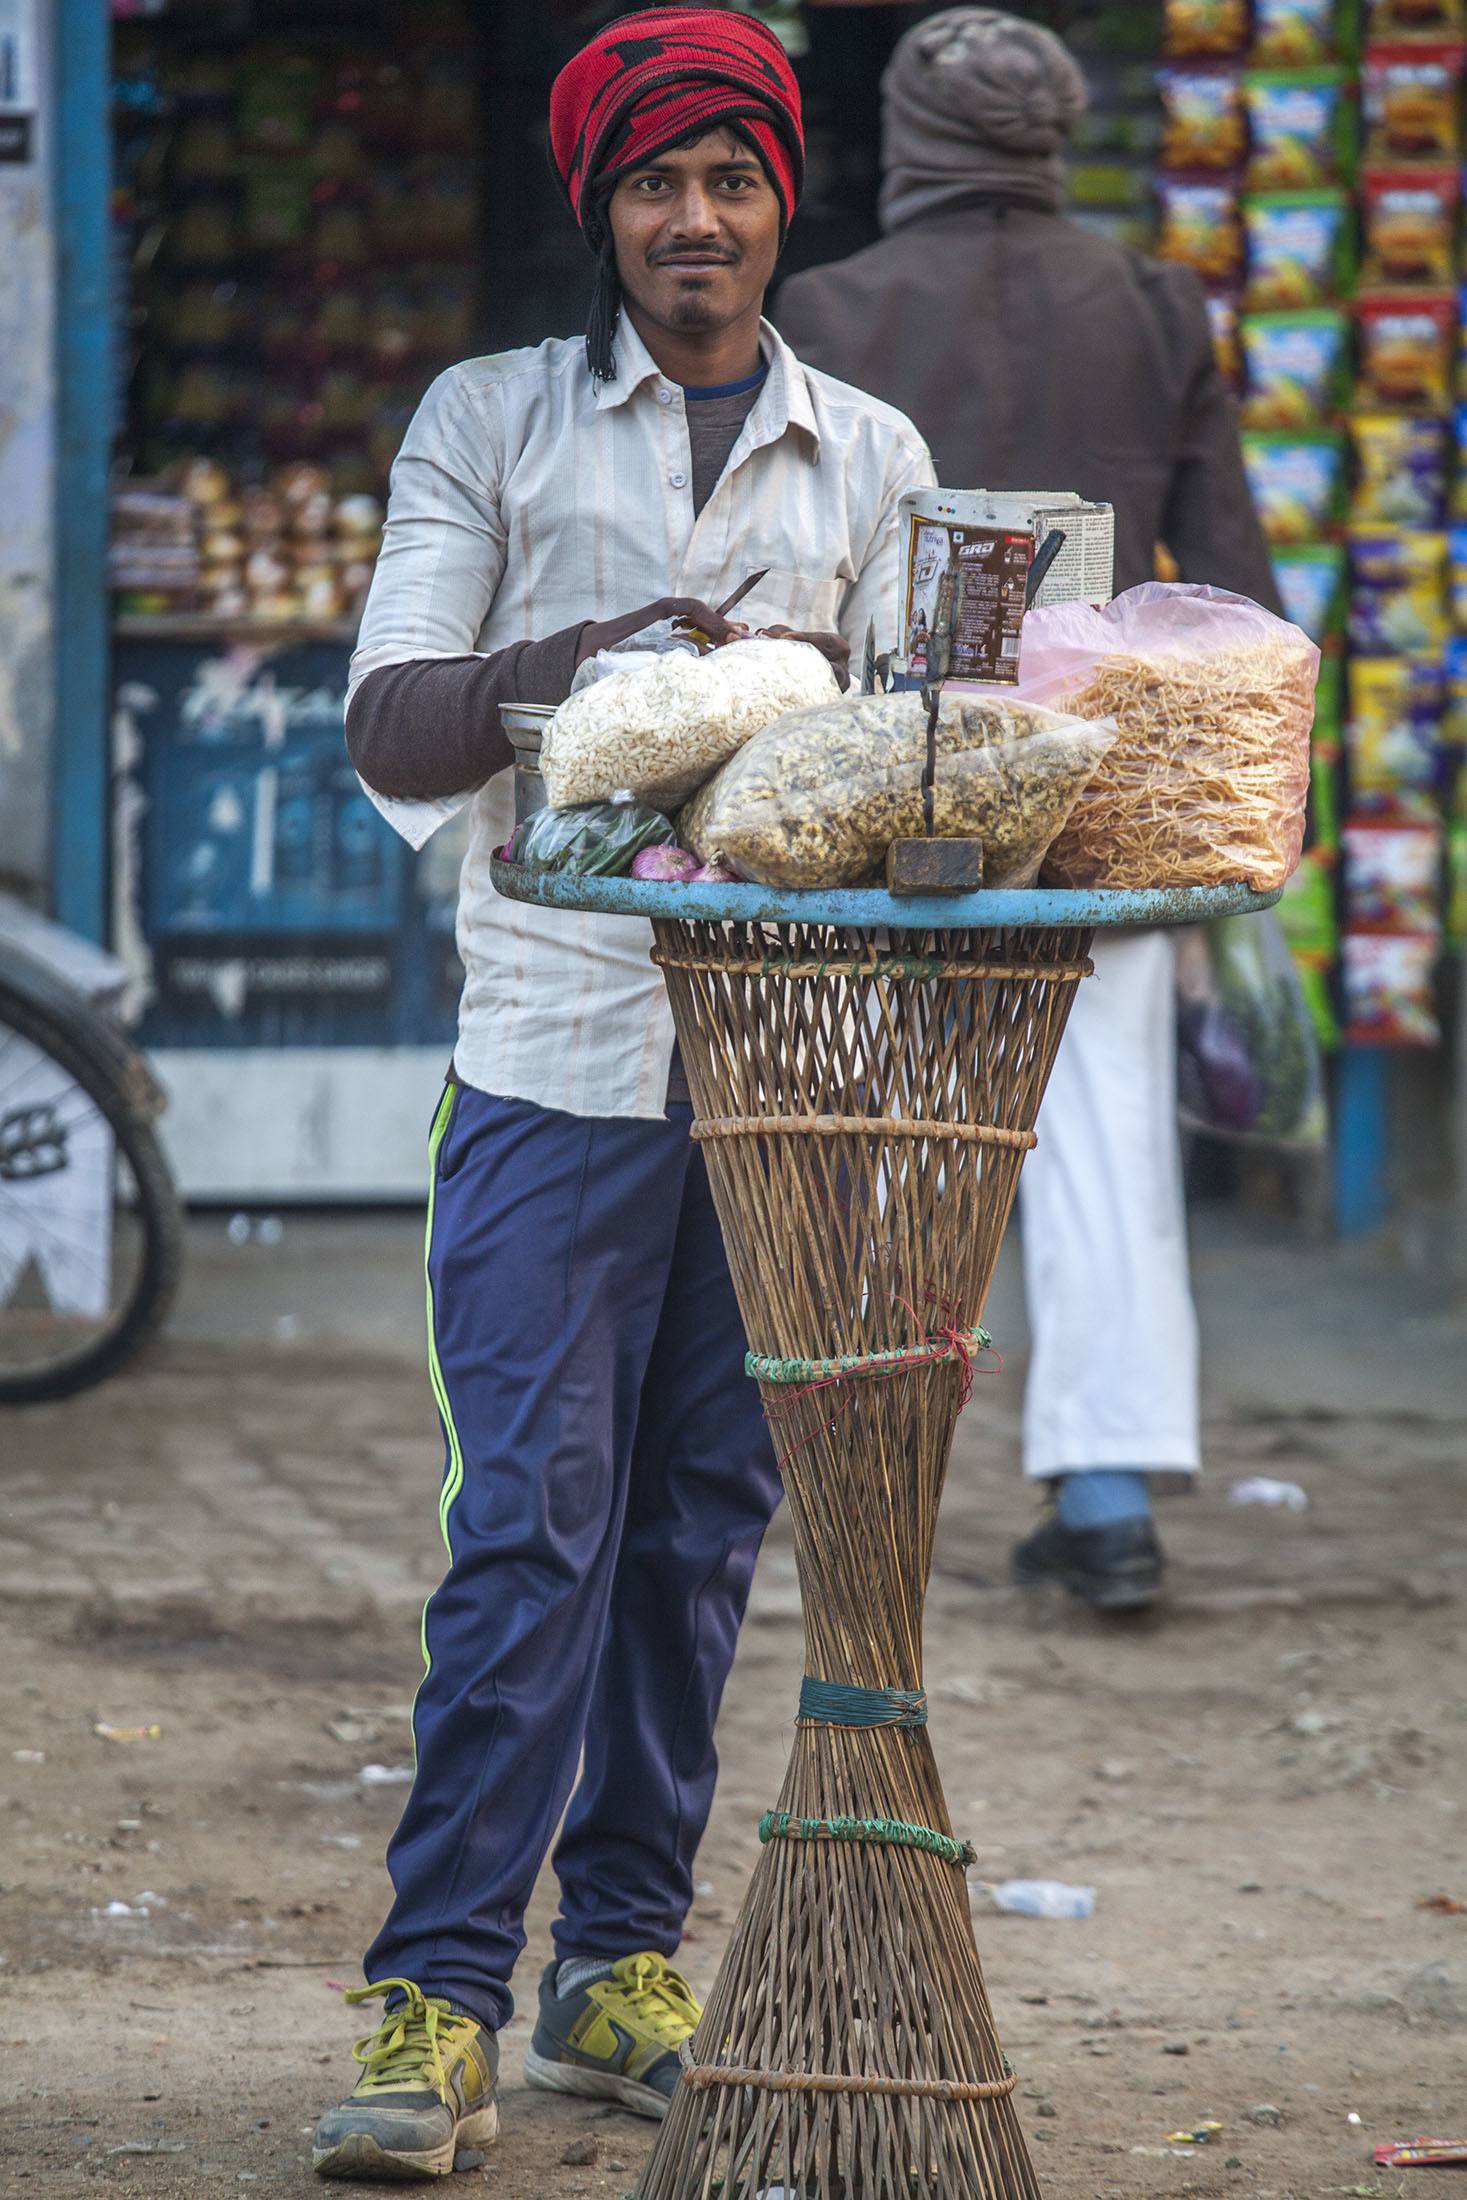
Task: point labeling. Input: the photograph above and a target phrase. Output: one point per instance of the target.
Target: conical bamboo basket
(864, 1108)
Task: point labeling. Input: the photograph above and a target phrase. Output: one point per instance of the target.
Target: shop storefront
(313, 209)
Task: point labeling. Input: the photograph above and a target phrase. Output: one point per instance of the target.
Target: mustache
(691, 252)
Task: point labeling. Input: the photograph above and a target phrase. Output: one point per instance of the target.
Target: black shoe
(1115, 1569)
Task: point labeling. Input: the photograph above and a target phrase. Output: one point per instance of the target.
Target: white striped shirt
(526, 498)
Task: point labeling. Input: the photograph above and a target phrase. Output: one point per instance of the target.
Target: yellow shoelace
(659, 1997)
(406, 2047)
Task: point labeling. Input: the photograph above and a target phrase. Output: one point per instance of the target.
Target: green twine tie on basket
(886, 1833)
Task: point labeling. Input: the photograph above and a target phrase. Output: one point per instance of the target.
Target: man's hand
(685, 610)
(688, 611)
(834, 648)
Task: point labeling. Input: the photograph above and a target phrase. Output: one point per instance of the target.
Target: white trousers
(1113, 1365)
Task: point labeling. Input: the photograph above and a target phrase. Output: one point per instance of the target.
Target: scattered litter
(582, 2153)
(29, 1756)
(341, 1840)
(1261, 1489)
(1445, 1905)
(336, 1986)
(1265, 2115)
(386, 1776)
(1201, 2135)
(129, 1825)
(1422, 2154)
(1176, 2047)
(287, 1326)
(120, 1909)
(127, 1733)
(1040, 1898)
(148, 2146)
(242, 1229)
(1115, 1770)
(1352, 2118)
(154, 1901)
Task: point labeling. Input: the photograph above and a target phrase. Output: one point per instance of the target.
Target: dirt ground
(1263, 1785)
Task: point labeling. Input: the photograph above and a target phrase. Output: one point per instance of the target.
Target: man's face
(696, 233)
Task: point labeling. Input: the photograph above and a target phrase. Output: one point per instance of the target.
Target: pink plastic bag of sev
(1213, 701)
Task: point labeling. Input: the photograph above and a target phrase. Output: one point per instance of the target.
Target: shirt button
(679, 481)
(664, 397)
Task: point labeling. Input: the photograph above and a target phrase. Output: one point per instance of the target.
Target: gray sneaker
(617, 2038)
(426, 2090)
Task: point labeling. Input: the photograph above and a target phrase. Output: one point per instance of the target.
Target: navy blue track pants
(609, 1478)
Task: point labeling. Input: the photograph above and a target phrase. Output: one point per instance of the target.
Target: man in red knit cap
(608, 1472)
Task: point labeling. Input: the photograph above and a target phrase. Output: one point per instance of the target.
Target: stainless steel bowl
(525, 724)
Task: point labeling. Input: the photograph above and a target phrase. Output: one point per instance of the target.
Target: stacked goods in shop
(1311, 175)
(153, 564)
(286, 550)
(297, 230)
(1257, 197)
(1407, 319)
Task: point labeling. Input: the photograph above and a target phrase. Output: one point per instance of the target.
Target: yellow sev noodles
(1207, 781)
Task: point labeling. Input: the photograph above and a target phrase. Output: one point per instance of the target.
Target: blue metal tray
(866, 907)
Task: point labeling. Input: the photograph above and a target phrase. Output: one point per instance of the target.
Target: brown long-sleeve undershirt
(431, 727)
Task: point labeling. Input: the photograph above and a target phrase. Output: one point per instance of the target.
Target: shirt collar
(784, 402)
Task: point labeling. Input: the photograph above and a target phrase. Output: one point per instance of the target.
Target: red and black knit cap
(652, 79)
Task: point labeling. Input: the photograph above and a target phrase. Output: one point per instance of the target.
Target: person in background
(1033, 354)
(608, 1472)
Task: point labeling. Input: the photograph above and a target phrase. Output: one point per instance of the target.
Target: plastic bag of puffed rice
(660, 731)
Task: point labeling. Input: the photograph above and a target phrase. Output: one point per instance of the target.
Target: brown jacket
(1033, 355)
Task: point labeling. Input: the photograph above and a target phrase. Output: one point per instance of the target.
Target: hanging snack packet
(1310, 581)
(1389, 994)
(1398, 594)
(1199, 226)
(1324, 803)
(1412, 18)
(1203, 120)
(1457, 576)
(1307, 911)
(1297, 250)
(1410, 99)
(1392, 873)
(1329, 705)
(1407, 350)
(1294, 34)
(1456, 894)
(1197, 29)
(1294, 367)
(1454, 713)
(1297, 482)
(1410, 226)
(1298, 122)
(1459, 485)
(1306, 917)
(1400, 470)
(1391, 738)
(1227, 349)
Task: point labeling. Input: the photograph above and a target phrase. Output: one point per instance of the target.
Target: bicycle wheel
(90, 1229)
